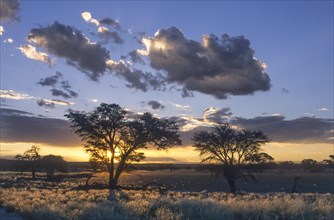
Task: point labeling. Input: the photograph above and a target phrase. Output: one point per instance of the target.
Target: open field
(191, 195)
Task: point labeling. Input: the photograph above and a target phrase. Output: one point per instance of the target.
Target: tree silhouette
(51, 163)
(311, 165)
(329, 162)
(230, 148)
(113, 138)
(31, 158)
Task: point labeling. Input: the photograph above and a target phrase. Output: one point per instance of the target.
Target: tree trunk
(112, 182)
(33, 172)
(231, 184)
(230, 173)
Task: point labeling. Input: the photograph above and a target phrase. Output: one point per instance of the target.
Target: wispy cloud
(11, 94)
(185, 108)
(31, 53)
(2, 30)
(323, 109)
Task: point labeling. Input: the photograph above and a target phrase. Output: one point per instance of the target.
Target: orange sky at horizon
(185, 154)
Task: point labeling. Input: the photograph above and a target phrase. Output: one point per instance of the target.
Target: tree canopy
(31, 158)
(113, 137)
(231, 148)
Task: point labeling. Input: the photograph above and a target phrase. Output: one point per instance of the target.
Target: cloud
(43, 102)
(216, 66)
(50, 81)
(111, 22)
(1, 30)
(53, 81)
(135, 57)
(156, 105)
(88, 18)
(184, 108)
(285, 90)
(213, 114)
(31, 53)
(20, 126)
(50, 103)
(69, 43)
(323, 109)
(104, 32)
(136, 78)
(9, 10)
(8, 41)
(300, 130)
(11, 94)
(109, 36)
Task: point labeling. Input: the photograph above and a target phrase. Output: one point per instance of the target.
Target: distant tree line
(32, 161)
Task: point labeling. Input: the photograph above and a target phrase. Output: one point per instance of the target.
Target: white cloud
(1, 30)
(11, 94)
(183, 107)
(58, 102)
(31, 53)
(9, 40)
(323, 109)
(102, 29)
(87, 16)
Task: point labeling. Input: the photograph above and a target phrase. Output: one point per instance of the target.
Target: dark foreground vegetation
(43, 199)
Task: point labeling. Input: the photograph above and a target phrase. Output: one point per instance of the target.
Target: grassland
(40, 199)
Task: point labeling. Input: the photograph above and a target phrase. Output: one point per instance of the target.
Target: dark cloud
(217, 66)
(50, 81)
(19, 126)
(9, 9)
(137, 78)
(136, 57)
(285, 90)
(43, 102)
(57, 92)
(300, 130)
(111, 22)
(53, 81)
(217, 115)
(110, 36)
(156, 105)
(69, 43)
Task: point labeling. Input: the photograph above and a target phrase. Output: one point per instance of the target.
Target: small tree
(261, 161)
(230, 148)
(329, 162)
(51, 163)
(311, 165)
(31, 158)
(114, 139)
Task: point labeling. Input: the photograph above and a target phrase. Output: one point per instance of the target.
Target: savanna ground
(190, 195)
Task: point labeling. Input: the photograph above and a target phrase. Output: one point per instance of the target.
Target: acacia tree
(114, 139)
(230, 148)
(32, 158)
(51, 163)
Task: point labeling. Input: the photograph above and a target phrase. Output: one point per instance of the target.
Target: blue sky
(292, 43)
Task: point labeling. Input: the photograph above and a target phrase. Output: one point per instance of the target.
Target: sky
(259, 65)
